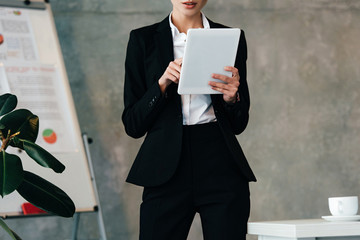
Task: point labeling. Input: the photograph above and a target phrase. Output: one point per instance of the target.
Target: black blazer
(148, 111)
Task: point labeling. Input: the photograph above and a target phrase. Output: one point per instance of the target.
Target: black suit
(185, 169)
(147, 111)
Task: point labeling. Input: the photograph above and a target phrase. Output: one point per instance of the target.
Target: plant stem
(6, 141)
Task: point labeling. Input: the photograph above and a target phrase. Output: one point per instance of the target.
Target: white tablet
(207, 51)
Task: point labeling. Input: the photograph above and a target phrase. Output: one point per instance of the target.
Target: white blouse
(196, 109)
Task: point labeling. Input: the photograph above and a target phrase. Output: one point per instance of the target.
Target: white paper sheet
(37, 88)
(17, 42)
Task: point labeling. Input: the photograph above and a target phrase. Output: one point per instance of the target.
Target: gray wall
(304, 131)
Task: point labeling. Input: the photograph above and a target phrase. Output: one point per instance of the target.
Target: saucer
(342, 218)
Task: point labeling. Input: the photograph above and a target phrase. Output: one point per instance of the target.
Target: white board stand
(37, 19)
(98, 210)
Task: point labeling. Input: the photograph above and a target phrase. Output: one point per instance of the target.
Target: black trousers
(208, 182)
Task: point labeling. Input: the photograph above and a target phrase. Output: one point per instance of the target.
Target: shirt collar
(175, 31)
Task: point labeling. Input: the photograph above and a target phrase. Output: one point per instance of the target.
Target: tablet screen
(207, 51)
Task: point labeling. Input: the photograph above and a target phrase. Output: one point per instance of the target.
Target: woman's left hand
(229, 86)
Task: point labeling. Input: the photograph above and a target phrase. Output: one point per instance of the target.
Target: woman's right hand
(171, 74)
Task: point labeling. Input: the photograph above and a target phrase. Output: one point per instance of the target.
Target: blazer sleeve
(142, 97)
(238, 113)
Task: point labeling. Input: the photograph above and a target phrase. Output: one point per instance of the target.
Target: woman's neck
(184, 23)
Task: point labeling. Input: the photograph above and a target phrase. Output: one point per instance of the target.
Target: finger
(222, 90)
(221, 77)
(229, 89)
(178, 61)
(234, 84)
(218, 84)
(226, 87)
(227, 95)
(234, 70)
(175, 66)
(173, 72)
(171, 77)
(228, 80)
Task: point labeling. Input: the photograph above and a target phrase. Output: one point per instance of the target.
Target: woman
(190, 161)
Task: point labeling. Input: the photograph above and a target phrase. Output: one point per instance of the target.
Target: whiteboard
(76, 180)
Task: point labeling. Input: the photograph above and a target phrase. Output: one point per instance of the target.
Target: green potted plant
(19, 128)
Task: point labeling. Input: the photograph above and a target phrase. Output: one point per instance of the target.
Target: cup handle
(340, 207)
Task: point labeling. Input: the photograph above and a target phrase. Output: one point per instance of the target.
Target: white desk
(310, 229)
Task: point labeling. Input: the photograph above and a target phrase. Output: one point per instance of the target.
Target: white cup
(343, 206)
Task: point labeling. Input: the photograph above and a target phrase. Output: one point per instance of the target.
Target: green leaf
(11, 173)
(23, 121)
(8, 103)
(42, 157)
(46, 195)
(12, 234)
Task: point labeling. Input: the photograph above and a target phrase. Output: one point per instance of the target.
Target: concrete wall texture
(304, 131)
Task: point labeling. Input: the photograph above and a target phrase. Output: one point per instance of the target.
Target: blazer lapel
(164, 46)
(214, 24)
(164, 43)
